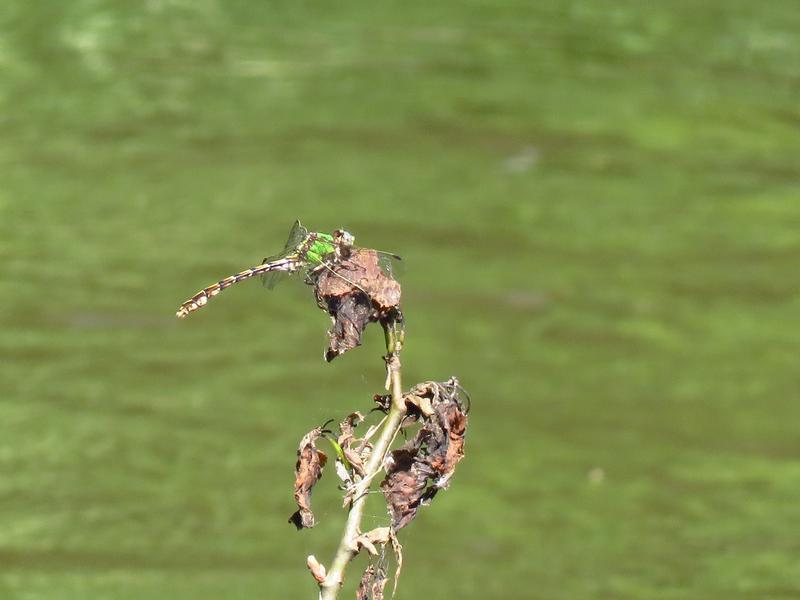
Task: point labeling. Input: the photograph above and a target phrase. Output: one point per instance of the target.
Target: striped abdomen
(202, 297)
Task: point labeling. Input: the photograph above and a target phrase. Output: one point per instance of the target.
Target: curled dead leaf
(365, 585)
(425, 464)
(355, 453)
(403, 486)
(355, 292)
(368, 540)
(347, 427)
(384, 401)
(372, 584)
(308, 470)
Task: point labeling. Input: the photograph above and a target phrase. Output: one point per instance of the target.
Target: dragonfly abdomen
(202, 297)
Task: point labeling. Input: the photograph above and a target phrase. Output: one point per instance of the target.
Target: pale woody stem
(347, 546)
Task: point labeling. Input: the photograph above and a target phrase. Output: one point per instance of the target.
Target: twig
(348, 547)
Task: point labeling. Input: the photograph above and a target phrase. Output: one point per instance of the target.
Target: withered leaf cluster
(416, 471)
(308, 470)
(355, 292)
(352, 453)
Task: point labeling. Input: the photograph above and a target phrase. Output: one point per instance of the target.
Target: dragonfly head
(344, 238)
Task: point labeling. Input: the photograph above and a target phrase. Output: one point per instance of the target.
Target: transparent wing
(391, 264)
(296, 235)
(270, 280)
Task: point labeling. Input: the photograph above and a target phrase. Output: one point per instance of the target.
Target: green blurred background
(599, 207)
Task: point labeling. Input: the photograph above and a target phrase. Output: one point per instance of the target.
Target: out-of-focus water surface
(599, 209)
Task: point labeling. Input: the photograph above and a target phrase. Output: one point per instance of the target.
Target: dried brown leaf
(373, 581)
(426, 463)
(355, 292)
(378, 584)
(365, 586)
(308, 470)
(379, 535)
(346, 440)
(453, 423)
(403, 486)
(418, 405)
(384, 401)
(347, 427)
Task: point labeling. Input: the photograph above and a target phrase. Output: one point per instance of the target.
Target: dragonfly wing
(296, 235)
(391, 264)
(270, 280)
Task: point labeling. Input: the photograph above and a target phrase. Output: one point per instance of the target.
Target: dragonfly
(304, 252)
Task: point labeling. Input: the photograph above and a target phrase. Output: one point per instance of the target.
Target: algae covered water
(598, 209)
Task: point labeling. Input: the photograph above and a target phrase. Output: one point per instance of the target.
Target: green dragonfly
(304, 252)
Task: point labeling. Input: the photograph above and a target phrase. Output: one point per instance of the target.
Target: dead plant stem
(348, 546)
